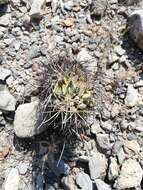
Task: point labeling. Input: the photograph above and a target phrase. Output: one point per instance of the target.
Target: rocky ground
(107, 38)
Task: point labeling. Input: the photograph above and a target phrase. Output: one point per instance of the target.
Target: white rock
(103, 141)
(85, 59)
(121, 156)
(119, 50)
(96, 129)
(5, 20)
(132, 147)
(101, 185)
(55, 5)
(7, 41)
(17, 46)
(83, 181)
(25, 122)
(7, 101)
(97, 165)
(132, 97)
(4, 73)
(12, 181)
(68, 182)
(113, 169)
(84, 56)
(130, 175)
(37, 8)
(23, 167)
(139, 84)
(135, 25)
(112, 58)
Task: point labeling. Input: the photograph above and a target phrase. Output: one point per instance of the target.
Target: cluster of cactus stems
(67, 100)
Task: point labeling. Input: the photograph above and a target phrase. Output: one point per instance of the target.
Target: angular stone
(117, 146)
(23, 167)
(101, 185)
(103, 141)
(37, 8)
(7, 101)
(135, 25)
(83, 181)
(96, 129)
(130, 175)
(13, 180)
(113, 169)
(85, 59)
(68, 182)
(97, 165)
(26, 120)
(132, 147)
(5, 20)
(4, 73)
(132, 97)
(98, 7)
(121, 156)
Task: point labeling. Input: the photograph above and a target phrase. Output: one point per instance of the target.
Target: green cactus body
(72, 92)
(2, 2)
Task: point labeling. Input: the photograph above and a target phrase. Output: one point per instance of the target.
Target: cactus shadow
(133, 52)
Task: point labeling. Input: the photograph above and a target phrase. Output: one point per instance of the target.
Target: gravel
(105, 37)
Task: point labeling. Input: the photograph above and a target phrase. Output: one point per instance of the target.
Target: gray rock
(103, 141)
(17, 46)
(101, 185)
(2, 120)
(26, 120)
(44, 49)
(132, 97)
(119, 50)
(34, 52)
(121, 156)
(7, 101)
(97, 165)
(68, 182)
(135, 25)
(139, 124)
(131, 136)
(113, 169)
(55, 5)
(98, 7)
(37, 8)
(107, 126)
(124, 124)
(88, 62)
(83, 181)
(139, 84)
(5, 20)
(84, 56)
(113, 58)
(141, 111)
(95, 128)
(68, 5)
(23, 167)
(13, 180)
(106, 114)
(117, 146)
(130, 175)
(4, 73)
(131, 147)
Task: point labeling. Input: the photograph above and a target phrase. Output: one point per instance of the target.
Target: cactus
(2, 2)
(66, 98)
